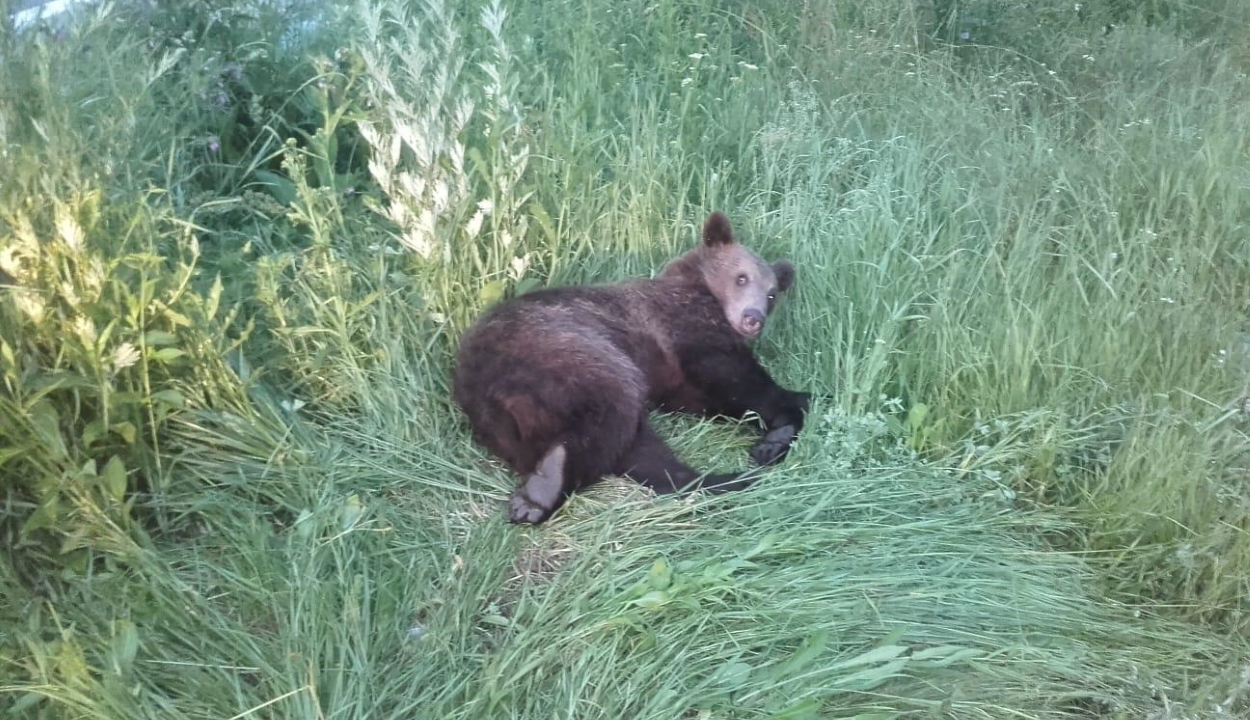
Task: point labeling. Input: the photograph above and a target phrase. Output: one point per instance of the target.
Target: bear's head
(746, 286)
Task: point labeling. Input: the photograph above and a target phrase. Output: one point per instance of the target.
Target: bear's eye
(742, 279)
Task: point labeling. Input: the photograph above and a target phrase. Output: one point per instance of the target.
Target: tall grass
(237, 258)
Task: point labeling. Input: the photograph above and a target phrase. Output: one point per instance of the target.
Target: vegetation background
(238, 241)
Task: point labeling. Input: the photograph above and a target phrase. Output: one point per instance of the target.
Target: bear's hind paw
(522, 510)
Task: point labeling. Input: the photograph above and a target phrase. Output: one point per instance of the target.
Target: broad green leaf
(167, 354)
(114, 477)
(870, 678)
(304, 525)
(811, 648)
(126, 430)
(44, 516)
(944, 655)
(93, 432)
(875, 655)
(350, 511)
(159, 338)
(661, 576)
(283, 190)
(916, 416)
(177, 318)
(25, 702)
(125, 646)
(733, 674)
(653, 599)
(764, 545)
(47, 426)
(526, 285)
(491, 292)
(172, 398)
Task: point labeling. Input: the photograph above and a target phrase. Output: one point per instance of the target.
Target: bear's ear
(785, 274)
(717, 231)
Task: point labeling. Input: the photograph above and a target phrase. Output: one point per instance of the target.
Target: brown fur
(571, 373)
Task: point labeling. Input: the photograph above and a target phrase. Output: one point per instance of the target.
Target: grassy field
(238, 242)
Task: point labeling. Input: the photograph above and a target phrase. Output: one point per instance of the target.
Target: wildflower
(85, 330)
(30, 304)
(10, 264)
(686, 81)
(69, 229)
(124, 356)
(213, 144)
(519, 266)
(474, 225)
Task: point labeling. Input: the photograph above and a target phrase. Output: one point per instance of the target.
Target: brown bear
(558, 383)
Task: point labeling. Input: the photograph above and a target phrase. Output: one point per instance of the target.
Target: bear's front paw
(522, 510)
(774, 446)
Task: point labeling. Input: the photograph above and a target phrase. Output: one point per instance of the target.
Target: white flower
(9, 263)
(69, 229)
(519, 266)
(85, 330)
(124, 356)
(474, 226)
(30, 304)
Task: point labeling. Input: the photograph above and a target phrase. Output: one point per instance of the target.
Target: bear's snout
(752, 322)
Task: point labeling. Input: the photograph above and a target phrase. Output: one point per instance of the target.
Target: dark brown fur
(558, 382)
